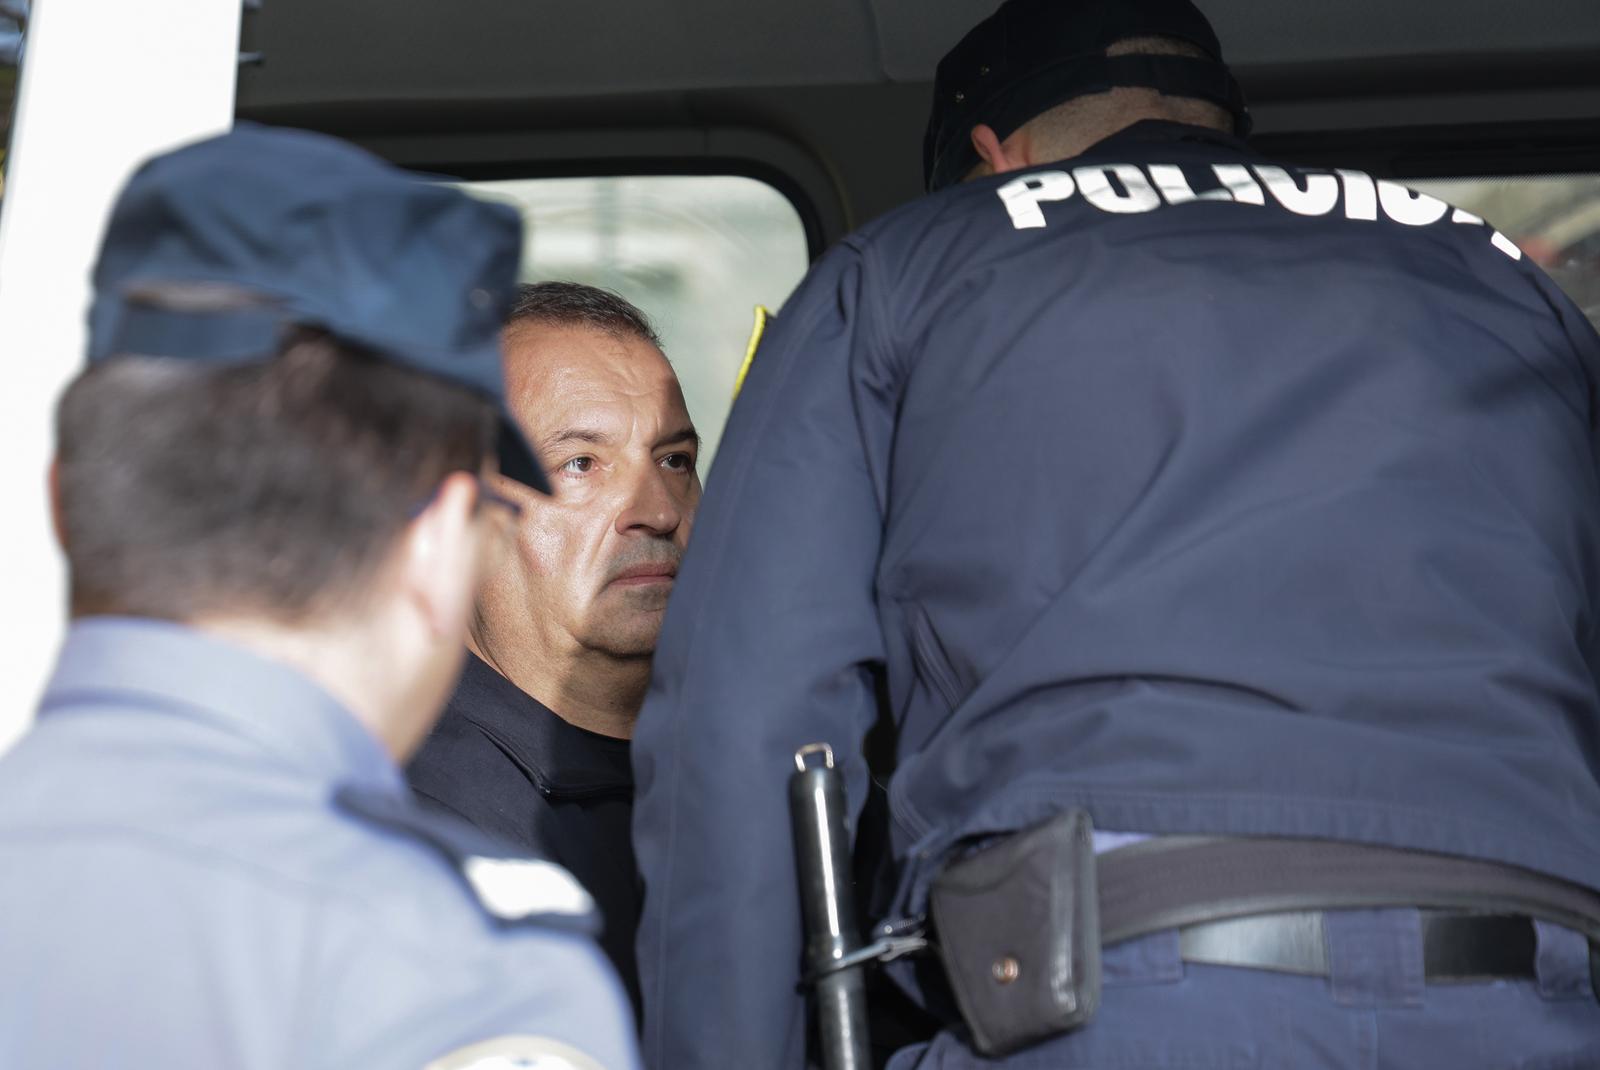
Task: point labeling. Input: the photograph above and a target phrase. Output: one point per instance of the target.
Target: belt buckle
(1594, 968)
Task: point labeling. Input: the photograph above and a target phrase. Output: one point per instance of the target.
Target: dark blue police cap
(310, 231)
(1032, 55)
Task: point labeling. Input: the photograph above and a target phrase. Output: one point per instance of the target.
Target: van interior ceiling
(827, 98)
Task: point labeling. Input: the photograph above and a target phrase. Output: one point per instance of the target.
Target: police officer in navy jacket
(269, 486)
(1131, 472)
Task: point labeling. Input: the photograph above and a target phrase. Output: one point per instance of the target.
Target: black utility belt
(1020, 924)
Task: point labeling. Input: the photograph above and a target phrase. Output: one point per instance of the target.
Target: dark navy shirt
(503, 761)
(1215, 496)
(181, 885)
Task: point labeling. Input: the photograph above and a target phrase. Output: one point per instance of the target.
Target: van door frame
(104, 84)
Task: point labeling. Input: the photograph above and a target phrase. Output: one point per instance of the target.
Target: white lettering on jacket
(1318, 198)
(1022, 196)
(1237, 177)
(1409, 207)
(1124, 189)
(1175, 188)
(1095, 184)
(1360, 196)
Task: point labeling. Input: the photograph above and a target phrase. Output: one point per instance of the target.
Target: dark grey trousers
(1375, 1012)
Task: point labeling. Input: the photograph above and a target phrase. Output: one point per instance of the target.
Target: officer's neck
(397, 708)
(592, 690)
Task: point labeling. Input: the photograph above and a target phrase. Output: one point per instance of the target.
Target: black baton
(827, 900)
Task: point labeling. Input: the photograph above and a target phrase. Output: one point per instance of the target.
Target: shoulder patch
(515, 1053)
(511, 887)
(516, 888)
(763, 317)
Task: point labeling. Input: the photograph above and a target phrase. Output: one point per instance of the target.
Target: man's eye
(579, 464)
(678, 462)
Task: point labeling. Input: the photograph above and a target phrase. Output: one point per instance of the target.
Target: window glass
(1555, 219)
(13, 18)
(696, 253)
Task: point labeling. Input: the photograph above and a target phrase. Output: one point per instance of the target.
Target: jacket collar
(174, 670)
(563, 760)
(1164, 131)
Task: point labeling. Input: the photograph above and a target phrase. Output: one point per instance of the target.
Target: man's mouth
(643, 575)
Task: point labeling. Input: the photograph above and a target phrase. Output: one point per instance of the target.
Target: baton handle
(827, 898)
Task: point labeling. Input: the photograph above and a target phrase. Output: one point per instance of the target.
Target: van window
(697, 253)
(1554, 219)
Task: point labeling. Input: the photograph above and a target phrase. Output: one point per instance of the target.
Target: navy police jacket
(1211, 495)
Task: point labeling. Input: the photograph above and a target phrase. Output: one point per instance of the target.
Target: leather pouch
(1019, 932)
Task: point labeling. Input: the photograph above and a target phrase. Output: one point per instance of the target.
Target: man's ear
(1010, 155)
(53, 489)
(438, 555)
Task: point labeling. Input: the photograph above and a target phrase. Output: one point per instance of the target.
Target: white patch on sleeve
(1318, 198)
(1174, 186)
(1408, 206)
(515, 1053)
(515, 888)
(1022, 196)
(1461, 215)
(1095, 185)
(1236, 177)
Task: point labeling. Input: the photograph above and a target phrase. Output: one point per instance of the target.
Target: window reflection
(696, 253)
(1555, 219)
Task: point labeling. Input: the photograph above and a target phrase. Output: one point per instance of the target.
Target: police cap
(1032, 55)
(305, 230)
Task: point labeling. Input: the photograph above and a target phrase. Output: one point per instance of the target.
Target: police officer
(1134, 480)
(269, 488)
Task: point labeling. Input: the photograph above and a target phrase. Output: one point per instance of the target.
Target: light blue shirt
(178, 889)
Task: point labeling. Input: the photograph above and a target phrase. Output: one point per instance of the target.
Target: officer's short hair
(575, 304)
(272, 488)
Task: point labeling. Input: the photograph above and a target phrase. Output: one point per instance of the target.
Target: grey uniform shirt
(178, 887)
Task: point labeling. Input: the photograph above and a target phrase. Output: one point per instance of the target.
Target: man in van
(533, 745)
(1222, 534)
(270, 486)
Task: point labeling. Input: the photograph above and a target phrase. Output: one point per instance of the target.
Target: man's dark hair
(273, 488)
(574, 304)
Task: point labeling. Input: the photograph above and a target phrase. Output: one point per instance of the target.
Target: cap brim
(517, 459)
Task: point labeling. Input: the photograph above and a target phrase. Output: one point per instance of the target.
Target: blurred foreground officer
(269, 489)
(1152, 483)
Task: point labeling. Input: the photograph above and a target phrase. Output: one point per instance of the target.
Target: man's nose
(652, 508)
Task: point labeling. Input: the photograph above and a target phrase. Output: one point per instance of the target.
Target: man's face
(593, 564)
